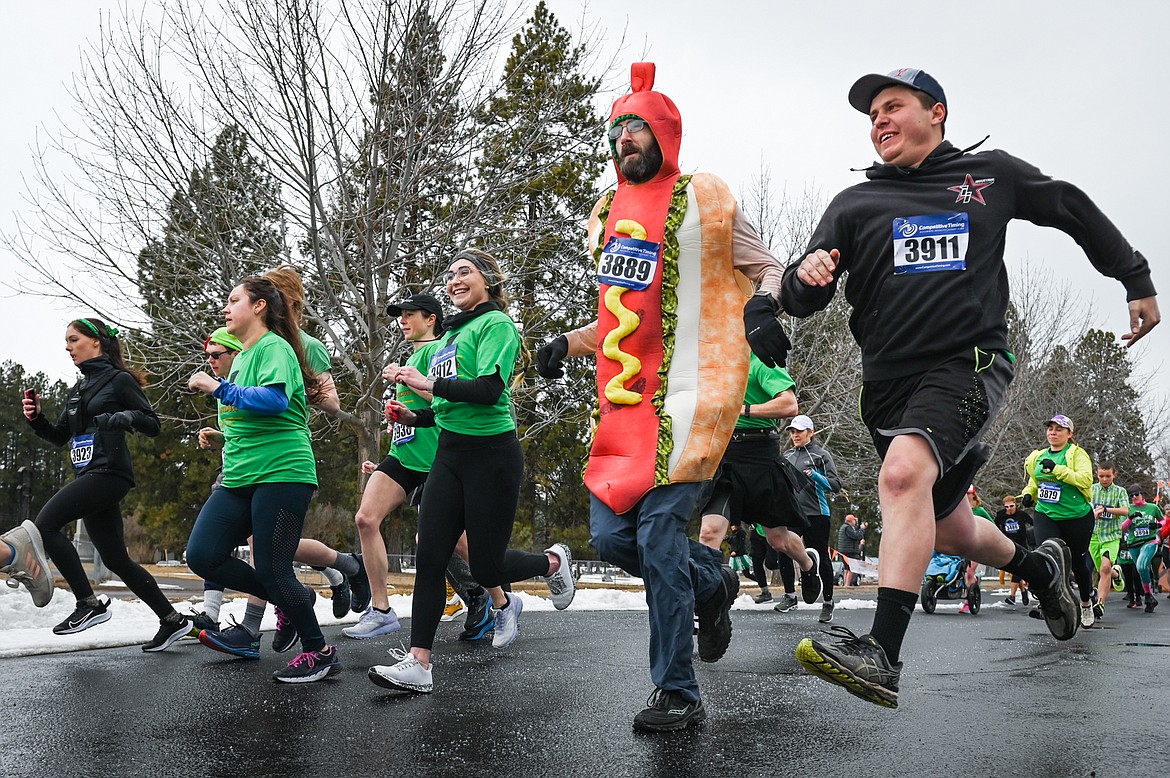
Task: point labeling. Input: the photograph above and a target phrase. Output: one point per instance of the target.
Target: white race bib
(628, 262)
(1141, 532)
(400, 434)
(81, 450)
(929, 244)
(443, 363)
(1011, 525)
(1049, 492)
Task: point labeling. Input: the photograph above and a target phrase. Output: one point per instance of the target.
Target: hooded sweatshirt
(923, 252)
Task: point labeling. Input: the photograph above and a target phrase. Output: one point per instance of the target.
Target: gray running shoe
(762, 597)
(786, 603)
(507, 625)
(372, 624)
(1057, 603)
(561, 586)
(826, 613)
(29, 565)
(857, 663)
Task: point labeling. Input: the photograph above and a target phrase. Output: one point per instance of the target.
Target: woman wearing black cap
(100, 409)
(474, 484)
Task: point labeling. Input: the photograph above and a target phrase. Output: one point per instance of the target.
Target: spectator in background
(850, 539)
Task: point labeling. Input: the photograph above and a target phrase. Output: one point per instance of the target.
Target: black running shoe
(857, 663)
(340, 598)
(359, 588)
(169, 632)
(715, 618)
(1056, 601)
(1151, 603)
(89, 612)
(479, 618)
(668, 711)
(810, 580)
(286, 635)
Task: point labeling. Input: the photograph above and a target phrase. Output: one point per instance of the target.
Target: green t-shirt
(981, 511)
(1108, 526)
(763, 384)
(1145, 520)
(415, 447)
(482, 346)
(1056, 499)
(261, 448)
(316, 355)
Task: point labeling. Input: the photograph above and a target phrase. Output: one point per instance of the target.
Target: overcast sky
(1077, 88)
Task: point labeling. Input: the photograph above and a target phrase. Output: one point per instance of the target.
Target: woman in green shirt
(474, 484)
(269, 472)
(1060, 480)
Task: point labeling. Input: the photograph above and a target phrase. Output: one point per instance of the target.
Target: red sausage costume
(670, 388)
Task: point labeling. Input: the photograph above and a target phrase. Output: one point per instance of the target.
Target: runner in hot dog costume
(676, 262)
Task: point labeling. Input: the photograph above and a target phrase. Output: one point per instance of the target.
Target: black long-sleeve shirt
(102, 389)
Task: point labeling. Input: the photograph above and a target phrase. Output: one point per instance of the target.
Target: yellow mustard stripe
(628, 321)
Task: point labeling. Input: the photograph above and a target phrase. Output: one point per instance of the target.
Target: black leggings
(94, 498)
(1076, 533)
(474, 486)
(274, 515)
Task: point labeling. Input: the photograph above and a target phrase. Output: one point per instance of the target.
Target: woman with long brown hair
(107, 403)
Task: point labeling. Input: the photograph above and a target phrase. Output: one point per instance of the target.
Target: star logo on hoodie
(971, 189)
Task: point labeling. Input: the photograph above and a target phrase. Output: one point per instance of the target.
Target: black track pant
(94, 498)
(474, 485)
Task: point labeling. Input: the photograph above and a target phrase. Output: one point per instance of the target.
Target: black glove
(764, 333)
(550, 355)
(1047, 465)
(1027, 501)
(122, 420)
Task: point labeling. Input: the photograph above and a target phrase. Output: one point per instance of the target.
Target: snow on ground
(27, 630)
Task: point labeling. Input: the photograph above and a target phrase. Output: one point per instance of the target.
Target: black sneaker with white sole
(667, 711)
(89, 612)
(169, 631)
(1057, 603)
(810, 580)
(715, 617)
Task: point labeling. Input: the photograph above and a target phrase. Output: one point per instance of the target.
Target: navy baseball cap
(863, 91)
(418, 302)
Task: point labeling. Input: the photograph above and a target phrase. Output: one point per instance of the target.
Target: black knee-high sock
(1030, 566)
(894, 608)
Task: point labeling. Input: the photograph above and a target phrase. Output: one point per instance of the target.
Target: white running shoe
(407, 675)
(1087, 618)
(372, 624)
(561, 586)
(508, 622)
(29, 565)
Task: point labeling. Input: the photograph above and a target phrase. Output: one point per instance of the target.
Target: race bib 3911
(930, 244)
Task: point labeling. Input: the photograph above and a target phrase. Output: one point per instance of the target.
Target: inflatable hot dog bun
(672, 360)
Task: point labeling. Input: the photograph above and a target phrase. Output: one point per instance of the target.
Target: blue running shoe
(359, 588)
(201, 621)
(234, 640)
(479, 618)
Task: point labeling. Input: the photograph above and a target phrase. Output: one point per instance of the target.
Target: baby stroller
(944, 581)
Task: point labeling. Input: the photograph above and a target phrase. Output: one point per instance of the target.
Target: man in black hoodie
(922, 243)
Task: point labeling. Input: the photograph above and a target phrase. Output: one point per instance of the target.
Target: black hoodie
(907, 323)
(102, 389)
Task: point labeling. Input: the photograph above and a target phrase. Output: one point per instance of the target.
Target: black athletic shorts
(951, 406)
(408, 479)
(751, 487)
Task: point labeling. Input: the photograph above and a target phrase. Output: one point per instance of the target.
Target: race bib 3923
(930, 244)
(81, 450)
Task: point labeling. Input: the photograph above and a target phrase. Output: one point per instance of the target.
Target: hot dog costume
(670, 387)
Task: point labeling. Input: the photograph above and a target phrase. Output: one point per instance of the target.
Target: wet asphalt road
(990, 695)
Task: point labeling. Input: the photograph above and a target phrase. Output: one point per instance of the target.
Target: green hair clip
(110, 331)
